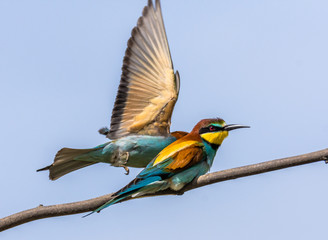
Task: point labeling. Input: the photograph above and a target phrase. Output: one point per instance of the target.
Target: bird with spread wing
(141, 117)
(179, 163)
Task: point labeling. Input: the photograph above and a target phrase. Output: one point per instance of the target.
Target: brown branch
(91, 204)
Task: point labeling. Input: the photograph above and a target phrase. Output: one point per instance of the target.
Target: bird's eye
(211, 128)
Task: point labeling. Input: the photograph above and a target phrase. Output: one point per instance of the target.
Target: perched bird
(179, 163)
(141, 117)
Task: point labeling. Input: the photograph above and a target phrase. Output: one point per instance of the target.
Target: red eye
(211, 128)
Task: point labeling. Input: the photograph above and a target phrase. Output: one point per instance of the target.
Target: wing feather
(149, 88)
(175, 158)
(186, 158)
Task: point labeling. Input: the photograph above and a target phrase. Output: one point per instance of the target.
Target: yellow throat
(215, 137)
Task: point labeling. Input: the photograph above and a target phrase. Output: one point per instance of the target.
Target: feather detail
(66, 161)
(186, 158)
(173, 149)
(149, 88)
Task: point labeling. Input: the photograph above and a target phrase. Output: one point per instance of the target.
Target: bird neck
(210, 149)
(213, 146)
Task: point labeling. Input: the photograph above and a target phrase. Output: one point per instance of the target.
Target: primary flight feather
(141, 117)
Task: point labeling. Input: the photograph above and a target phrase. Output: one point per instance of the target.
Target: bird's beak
(230, 127)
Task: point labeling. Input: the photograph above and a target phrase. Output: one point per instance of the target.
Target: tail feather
(135, 189)
(68, 160)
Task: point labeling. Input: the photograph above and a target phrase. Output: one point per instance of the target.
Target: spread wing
(149, 88)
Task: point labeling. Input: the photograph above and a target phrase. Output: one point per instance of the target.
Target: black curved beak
(230, 127)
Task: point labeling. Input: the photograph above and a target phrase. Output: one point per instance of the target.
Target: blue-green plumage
(133, 151)
(141, 149)
(179, 163)
(129, 151)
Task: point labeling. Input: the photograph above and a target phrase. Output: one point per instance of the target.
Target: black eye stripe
(210, 128)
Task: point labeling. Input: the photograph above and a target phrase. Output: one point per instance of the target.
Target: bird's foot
(125, 167)
(120, 159)
(127, 170)
(127, 154)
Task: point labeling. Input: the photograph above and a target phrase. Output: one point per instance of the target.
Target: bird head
(214, 131)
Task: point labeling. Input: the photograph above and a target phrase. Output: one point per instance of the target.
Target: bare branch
(91, 204)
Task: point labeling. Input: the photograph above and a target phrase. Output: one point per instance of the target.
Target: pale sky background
(259, 63)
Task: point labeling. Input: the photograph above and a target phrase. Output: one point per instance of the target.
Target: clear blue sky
(260, 63)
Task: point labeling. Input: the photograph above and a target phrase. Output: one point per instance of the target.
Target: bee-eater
(141, 117)
(179, 163)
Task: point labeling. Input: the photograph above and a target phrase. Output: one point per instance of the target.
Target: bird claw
(121, 161)
(126, 169)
